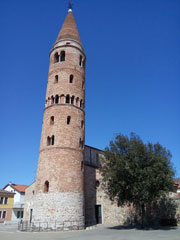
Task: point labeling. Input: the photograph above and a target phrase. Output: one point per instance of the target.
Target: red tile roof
(18, 187)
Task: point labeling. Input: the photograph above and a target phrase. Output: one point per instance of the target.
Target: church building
(68, 188)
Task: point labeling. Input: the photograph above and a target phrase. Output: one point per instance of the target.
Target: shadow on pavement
(138, 227)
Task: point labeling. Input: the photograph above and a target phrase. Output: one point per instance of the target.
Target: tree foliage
(134, 172)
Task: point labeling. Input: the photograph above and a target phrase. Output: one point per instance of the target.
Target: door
(31, 211)
(98, 214)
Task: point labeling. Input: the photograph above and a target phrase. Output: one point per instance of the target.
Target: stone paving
(101, 232)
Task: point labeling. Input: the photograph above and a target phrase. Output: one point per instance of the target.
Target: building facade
(6, 205)
(18, 192)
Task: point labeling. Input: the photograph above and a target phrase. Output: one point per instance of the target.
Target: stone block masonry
(60, 208)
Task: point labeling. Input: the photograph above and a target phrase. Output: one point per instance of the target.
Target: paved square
(99, 233)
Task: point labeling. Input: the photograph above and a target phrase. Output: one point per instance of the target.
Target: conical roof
(69, 29)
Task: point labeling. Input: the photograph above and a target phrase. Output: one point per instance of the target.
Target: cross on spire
(70, 6)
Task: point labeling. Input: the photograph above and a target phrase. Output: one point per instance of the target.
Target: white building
(18, 206)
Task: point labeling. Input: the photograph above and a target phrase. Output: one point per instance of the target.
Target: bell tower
(59, 192)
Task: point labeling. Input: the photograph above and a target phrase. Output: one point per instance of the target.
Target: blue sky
(132, 74)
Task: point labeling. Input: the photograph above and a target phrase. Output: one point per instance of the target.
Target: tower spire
(69, 29)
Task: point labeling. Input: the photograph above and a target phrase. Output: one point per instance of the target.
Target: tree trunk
(142, 215)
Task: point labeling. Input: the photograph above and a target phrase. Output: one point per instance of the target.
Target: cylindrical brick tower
(59, 193)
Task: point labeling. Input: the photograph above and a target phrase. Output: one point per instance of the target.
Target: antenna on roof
(70, 6)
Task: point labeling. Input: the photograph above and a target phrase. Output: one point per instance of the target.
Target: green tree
(136, 173)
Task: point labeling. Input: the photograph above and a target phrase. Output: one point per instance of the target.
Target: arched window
(77, 102)
(52, 140)
(71, 78)
(62, 99)
(52, 100)
(56, 99)
(46, 187)
(52, 120)
(49, 101)
(62, 56)
(56, 57)
(56, 79)
(72, 100)
(67, 99)
(97, 183)
(82, 124)
(48, 141)
(80, 60)
(68, 119)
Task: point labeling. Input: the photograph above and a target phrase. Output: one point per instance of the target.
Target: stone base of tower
(63, 211)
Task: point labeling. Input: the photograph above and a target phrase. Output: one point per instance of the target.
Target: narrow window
(71, 78)
(62, 99)
(68, 119)
(4, 214)
(46, 187)
(1, 200)
(52, 140)
(18, 214)
(56, 99)
(0, 214)
(77, 102)
(48, 140)
(80, 60)
(72, 100)
(81, 103)
(56, 79)
(52, 100)
(22, 214)
(82, 165)
(62, 56)
(6, 200)
(67, 99)
(56, 58)
(48, 101)
(52, 120)
(97, 183)
(82, 124)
